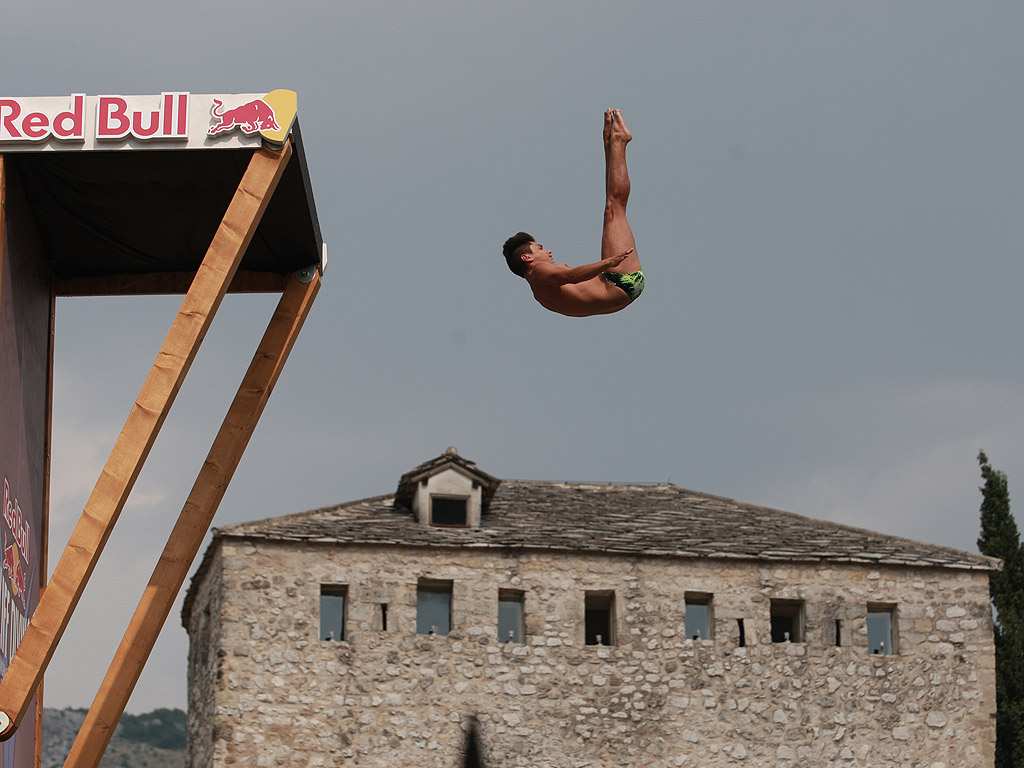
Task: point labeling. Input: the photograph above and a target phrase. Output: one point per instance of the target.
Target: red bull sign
(17, 533)
(171, 120)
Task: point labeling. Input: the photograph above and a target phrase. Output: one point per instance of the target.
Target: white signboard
(172, 120)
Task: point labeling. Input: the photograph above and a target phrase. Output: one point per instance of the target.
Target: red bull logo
(13, 570)
(252, 117)
(16, 539)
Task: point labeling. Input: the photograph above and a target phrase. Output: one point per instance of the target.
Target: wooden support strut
(118, 476)
(193, 523)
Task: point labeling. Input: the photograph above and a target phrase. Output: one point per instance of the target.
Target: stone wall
(203, 622)
(279, 696)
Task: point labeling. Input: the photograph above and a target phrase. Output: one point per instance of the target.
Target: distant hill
(153, 740)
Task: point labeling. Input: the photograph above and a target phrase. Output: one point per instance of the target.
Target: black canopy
(141, 221)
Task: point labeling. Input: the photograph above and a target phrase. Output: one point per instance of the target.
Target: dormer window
(448, 492)
(449, 511)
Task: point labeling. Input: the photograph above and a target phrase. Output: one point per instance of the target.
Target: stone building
(583, 625)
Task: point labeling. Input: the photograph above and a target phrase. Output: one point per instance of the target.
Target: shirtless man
(592, 289)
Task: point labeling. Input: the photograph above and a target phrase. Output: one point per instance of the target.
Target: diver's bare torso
(591, 297)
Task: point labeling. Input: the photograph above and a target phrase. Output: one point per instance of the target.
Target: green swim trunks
(631, 282)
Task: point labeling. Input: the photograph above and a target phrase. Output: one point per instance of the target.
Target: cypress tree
(1001, 538)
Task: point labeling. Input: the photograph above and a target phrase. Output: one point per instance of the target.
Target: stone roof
(653, 520)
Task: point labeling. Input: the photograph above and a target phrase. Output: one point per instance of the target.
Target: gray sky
(826, 199)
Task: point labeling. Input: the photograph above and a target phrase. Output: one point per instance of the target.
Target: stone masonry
(265, 690)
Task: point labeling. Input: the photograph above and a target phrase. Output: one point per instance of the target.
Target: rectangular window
(510, 616)
(599, 618)
(433, 607)
(332, 611)
(383, 617)
(449, 511)
(880, 623)
(698, 616)
(743, 633)
(839, 633)
(787, 621)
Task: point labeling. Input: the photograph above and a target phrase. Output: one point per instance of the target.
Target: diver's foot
(615, 130)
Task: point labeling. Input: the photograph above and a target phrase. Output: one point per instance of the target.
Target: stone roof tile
(662, 520)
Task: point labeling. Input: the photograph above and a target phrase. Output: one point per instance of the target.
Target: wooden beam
(111, 491)
(159, 283)
(193, 523)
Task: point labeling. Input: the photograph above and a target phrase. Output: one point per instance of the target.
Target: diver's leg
(617, 237)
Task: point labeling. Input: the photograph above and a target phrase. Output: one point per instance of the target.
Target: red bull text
(168, 121)
(18, 124)
(15, 565)
(115, 119)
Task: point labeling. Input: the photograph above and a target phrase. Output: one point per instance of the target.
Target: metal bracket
(306, 275)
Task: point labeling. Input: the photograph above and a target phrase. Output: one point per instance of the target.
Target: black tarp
(143, 212)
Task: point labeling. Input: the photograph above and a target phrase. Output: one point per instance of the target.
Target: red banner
(24, 366)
